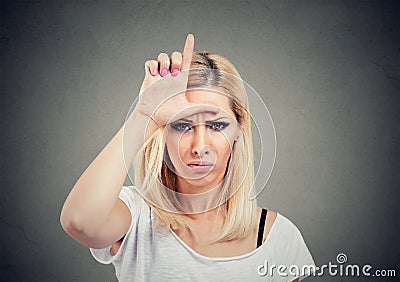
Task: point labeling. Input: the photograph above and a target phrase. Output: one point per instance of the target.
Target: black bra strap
(261, 227)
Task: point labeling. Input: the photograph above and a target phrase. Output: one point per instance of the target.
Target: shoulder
(287, 224)
(286, 232)
(287, 243)
(290, 246)
(280, 224)
(271, 215)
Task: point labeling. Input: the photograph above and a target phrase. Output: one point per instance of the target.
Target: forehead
(210, 97)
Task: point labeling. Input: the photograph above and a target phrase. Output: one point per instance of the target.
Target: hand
(163, 93)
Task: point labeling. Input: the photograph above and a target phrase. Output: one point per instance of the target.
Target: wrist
(140, 114)
(142, 122)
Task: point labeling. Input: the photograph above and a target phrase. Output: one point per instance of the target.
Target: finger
(163, 61)
(151, 66)
(188, 52)
(176, 62)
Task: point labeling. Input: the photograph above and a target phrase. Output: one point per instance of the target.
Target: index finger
(187, 52)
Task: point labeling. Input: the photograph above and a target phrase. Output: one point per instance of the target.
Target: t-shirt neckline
(273, 227)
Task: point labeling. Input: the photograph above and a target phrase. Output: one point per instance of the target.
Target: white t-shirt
(151, 252)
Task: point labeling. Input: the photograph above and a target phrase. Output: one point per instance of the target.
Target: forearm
(94, 195)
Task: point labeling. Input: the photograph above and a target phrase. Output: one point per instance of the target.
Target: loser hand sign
(163, 93)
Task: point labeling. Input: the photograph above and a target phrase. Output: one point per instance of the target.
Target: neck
(197, 203)
(207, 215)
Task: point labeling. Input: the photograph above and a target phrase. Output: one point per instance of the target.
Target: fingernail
(154, 71)
(163, 72)
(175, 72)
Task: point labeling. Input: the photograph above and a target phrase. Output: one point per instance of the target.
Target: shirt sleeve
(133, 201)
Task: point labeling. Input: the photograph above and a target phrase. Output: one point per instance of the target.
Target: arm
(92, 213)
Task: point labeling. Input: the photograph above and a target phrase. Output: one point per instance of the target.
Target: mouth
(198, 166)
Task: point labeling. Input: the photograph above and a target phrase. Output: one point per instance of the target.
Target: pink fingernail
(154, 71)
(163, 72)
(175, 72)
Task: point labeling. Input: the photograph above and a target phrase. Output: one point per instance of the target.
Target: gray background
(327, 70)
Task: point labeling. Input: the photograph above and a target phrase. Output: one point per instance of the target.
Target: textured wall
(328, 72)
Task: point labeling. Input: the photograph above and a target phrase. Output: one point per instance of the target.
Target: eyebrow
(188, 120)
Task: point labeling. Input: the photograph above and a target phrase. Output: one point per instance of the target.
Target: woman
(188, 217)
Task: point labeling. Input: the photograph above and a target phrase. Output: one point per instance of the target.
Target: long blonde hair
(151, 173)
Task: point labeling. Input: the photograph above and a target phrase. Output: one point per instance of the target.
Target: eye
(181, 127)
(218, 126)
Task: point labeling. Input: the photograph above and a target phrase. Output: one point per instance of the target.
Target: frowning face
(199, 146)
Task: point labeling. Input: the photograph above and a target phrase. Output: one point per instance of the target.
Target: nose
(200, 145)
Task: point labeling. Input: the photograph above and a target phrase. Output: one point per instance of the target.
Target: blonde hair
(151, 173)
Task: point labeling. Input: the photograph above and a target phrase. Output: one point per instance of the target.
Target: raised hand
(163, 93)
